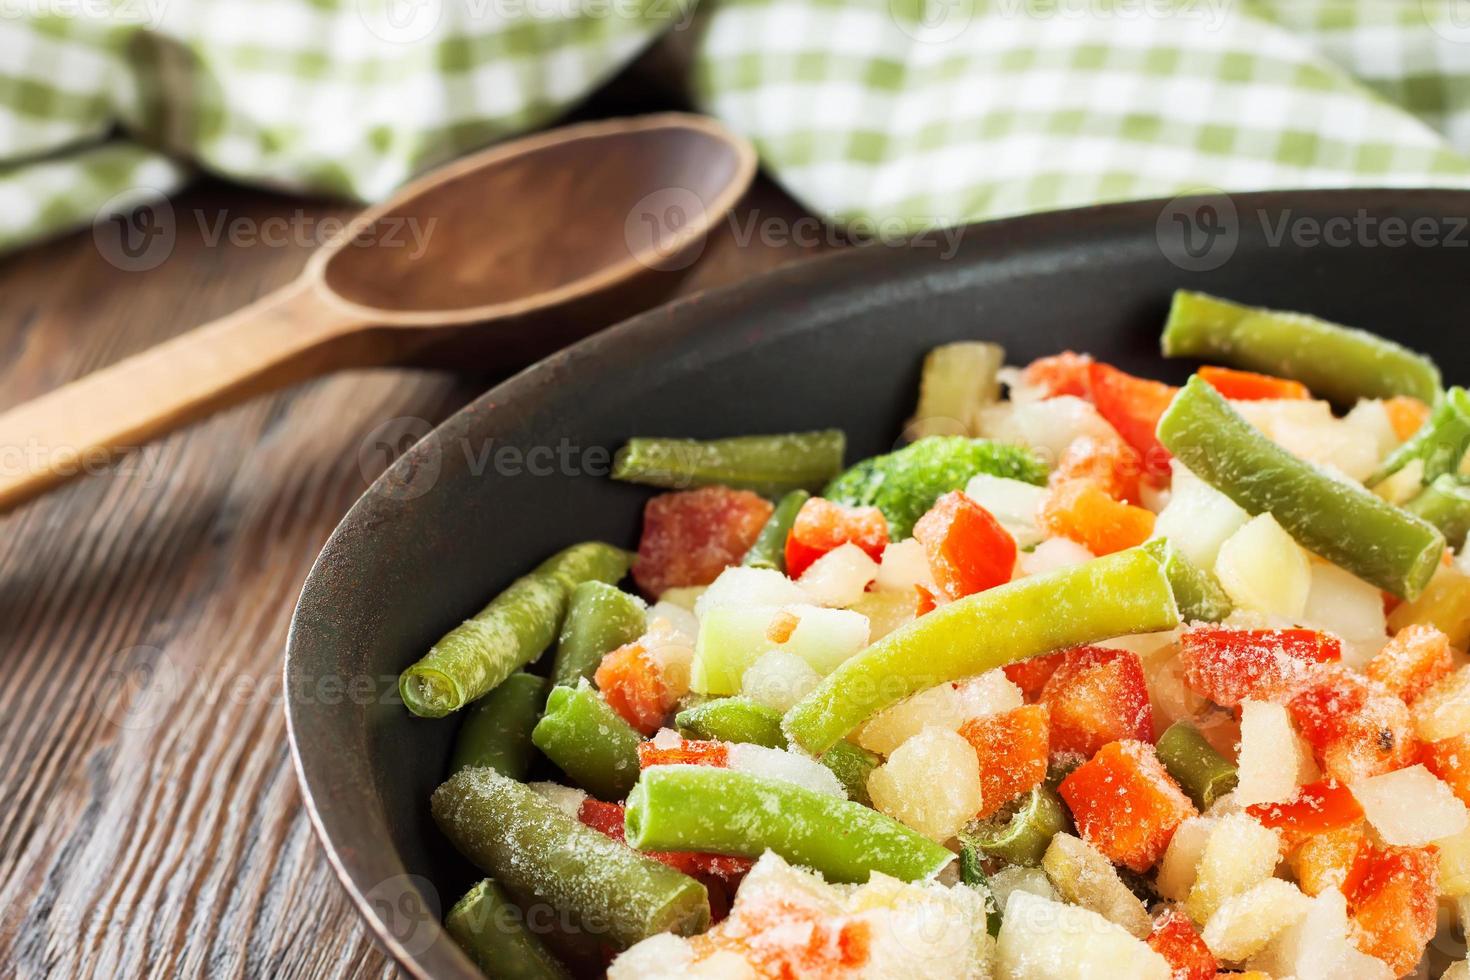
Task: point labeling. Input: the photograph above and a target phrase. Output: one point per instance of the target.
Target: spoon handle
(284, 337)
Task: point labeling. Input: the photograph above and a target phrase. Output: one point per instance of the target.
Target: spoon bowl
(546, 239)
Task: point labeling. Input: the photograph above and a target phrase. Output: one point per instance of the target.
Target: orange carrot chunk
(1249, 386)
(1095, 696)
(1412, 661)
(1125, 803)
(1084, 512)
(968, 549)
(1394, 907)
(1013, 749)
(631, 683)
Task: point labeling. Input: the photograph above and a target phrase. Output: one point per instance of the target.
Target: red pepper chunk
(1013, 750)
(607, 818)
(822, 526)
(633, 686)
(1178, 942)
(1060, 374)
(1097, 695)
(689, 752)
(691, 536)
(968, 549)
(1031, 675)
(924, 601)
(1245, 386)
(1229, 666)
(1317, 808)
(1356, 729)
(1125, 803)
(1133, 406)
(1412, 661)
(1394, 907)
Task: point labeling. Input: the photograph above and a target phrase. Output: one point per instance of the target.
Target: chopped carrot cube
(1031, 675)
(1406, 414)
(1249, 386)
(1317, 808)
(689, 537)
(1449, 759)
(1356, 730)
(689, 752)
(1060, 374)
(1394, 906)
(1125, 803)
(1133, 407)
(822, 526)
(1412, 661)
(633, 686)
(968, 549)
(1111, 464)
(1013, 749)
(1084, 512)
(1229, 666)
(1335, 858)
(1177, 941)
(1095, 696)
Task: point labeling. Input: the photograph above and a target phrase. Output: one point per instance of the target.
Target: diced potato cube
(1052, 554)
(1013, 503)
(793, 767)
(1444, 604)
(1411, 807)
(1180, 866)
(930, 783)
(1456, 971)
(1049, 426)
(904, 566)
(1041, 940)
(1315, 947)
(743, 587)
(1198, 518)
(778, 680)
(839, 577)
(1083, 876)
(1244, 923)
(945, 705)
(1269, 755)
(886, 610)
(1016, 878)
(1340, 603)
(1454, 864)
(1308, 429)
(1239, 854)
(824, 638)
(1262, 568)
(1443, 711)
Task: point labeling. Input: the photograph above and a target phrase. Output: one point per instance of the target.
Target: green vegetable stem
(700, 808)
(1022, 838)
(496, 731)
(600, 618)
(1439, 444)
(766, 464)
(588, 741)
(472, 659)
(769, 550)
(532, 847)
(1445, 503)
(491, 930)
(1200, 597)
(1339, 520)
(1200, 771)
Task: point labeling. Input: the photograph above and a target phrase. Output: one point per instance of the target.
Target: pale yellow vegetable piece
(947, 705)
(1262, 568)
(1444, 604)
(1315, 947)
(1238, 854)
(930, 783)
(1411, 807)
(1084, 876)
(1042, 940)
(1180, 865)
(1443, 711)
(1454, 864)
(1268, 767)
(1246, 922)
(1198, 519)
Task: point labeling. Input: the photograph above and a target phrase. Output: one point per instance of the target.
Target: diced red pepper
(607, 818)
(1356, 730)
(1133, 406)
(926, 602)
(1095, 696)
(1317, 808)
(1111, 464)
(1394, 907)
(1331, 859)
(1177, 941)
(1013, 749)
(1083, 511)
(1031, 675)
(1406, 414)
(689, 537)
(822, 526)
(1412, 661)
(689, 752)
(1449, 759)
(1125, 803)
(968, 549)
(632, 684)
(1244, 386)
(1229, 666)
(1060, 374)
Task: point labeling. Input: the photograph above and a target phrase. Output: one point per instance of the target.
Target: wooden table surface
(151, 823)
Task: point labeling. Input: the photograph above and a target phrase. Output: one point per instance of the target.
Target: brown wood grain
(150, 823)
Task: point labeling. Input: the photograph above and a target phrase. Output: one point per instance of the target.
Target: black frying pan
(834, 342)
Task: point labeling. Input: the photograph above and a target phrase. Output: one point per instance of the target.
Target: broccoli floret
(904, 484)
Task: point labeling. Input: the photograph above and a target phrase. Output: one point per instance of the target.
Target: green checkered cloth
(914, 112)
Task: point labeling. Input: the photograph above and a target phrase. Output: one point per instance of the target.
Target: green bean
(491, 930)
(1200, 597)
(1445, 503)
(1339, 520)
(589, 741)
(472, 659)
(1123, 593)
(1341, 364)
(769, 550)
(1439, 444)
(1204, 774)
(768, 464)
(720, 811)
(496, 731)
(739, 719)
(530, 846)
(972, 874)
(600, 618)
(958, 380)
(1024, 837)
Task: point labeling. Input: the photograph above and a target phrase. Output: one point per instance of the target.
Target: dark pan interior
(835, 342)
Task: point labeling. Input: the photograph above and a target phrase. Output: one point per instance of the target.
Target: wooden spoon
(545, 239)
